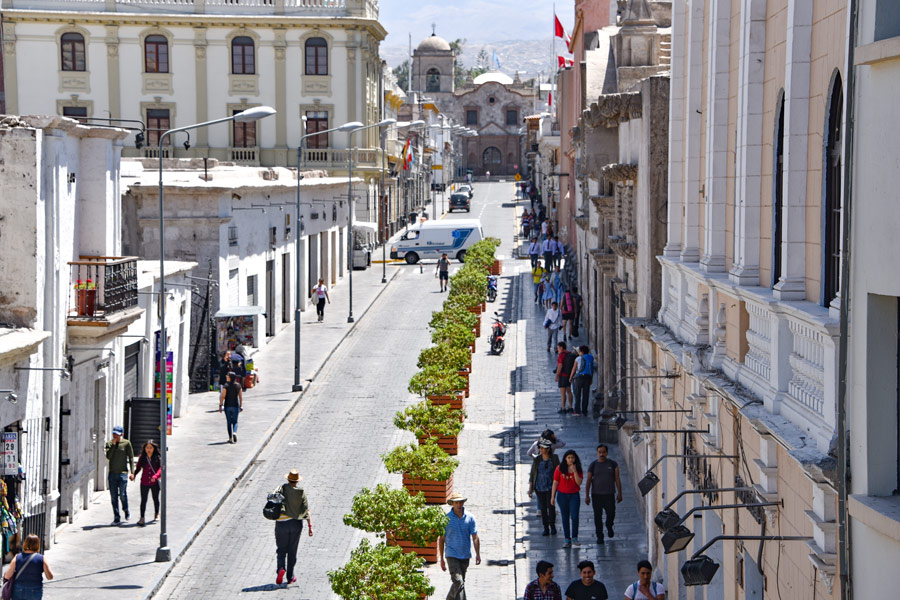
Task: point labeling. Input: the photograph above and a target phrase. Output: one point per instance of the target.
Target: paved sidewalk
(93, 559)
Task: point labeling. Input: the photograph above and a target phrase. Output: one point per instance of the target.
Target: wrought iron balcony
(336, 158)
(103, 288)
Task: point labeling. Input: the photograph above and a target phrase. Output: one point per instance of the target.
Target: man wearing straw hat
(459, 549)
(289, 526)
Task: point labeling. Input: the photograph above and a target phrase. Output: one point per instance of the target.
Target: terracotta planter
(436, 492)
(477, 329)
(472, 347)
(428, 553)
(465, 374)
(456, 401)
(449, 444)
(497, 267)
(86, 302)
(484, 306)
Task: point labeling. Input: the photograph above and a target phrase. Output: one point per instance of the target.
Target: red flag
(549, 99)
(565, 62)
(558, 30)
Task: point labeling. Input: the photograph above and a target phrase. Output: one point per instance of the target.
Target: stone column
(352, 97)
(281, 153)
(676, 134)
(200, 89)
(10, 77)
(693, 109)
(112, 75)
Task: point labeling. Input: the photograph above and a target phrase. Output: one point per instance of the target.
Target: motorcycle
(491, 288)
(498, 331)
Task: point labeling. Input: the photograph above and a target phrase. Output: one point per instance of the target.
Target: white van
(432, 238)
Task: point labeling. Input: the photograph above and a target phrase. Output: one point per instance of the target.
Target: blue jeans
(118, 490)
(231, 419)
(569, 505)
(22, 591)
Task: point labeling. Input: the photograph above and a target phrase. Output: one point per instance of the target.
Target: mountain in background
(528, 57)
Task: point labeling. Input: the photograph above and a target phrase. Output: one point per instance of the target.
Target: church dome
(434, 43)
(493, 76)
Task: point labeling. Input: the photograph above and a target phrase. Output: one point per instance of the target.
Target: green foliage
(445, 356)
(436, 381)
(458, 299)
(396, 513)
(401, 72)
(380, 572)
(421, 461)
(453, 314)
(455, 335)
(427, 420)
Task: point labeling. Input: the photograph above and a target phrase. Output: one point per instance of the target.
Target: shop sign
(10, 453)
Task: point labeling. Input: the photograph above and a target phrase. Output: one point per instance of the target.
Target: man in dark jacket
(541, 481)
(120, 455)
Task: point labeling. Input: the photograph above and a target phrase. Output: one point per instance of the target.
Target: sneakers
(280, 577)
(576, 414)
(571, 411)
(568, 543)
(292, 580)
(561, 411)
(127, 515)
(600, 540)
(546, 532)
(609, 531)
(234, 437)
(141, 523)
(117, 521)
(575, 542)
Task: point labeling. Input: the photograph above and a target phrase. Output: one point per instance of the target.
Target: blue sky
(474, 20)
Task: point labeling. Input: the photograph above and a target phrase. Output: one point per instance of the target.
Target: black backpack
(568, 364)
(274, 502)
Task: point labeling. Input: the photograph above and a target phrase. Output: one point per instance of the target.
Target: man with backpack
(643, 588)
(565, 362)
(582, 378)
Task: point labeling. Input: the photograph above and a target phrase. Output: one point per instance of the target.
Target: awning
(365, 225)
(240, 311)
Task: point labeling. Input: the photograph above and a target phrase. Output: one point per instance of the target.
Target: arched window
(778, 193)
(433, 80)
(72, 49)
(316, 56)
(242, 60)
(156, 54)
(833, 182)
(491, 158)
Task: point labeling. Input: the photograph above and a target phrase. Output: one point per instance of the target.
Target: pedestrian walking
(541, 483)
(579, 302)
(537, 275)
(232, 399)
(232, 362)
(543, 588)
(558, 251)
(547, 247)
(149, 465)
(556, 282)
(320, 292)
(643, 588)
(604, 487)
(534, 251)
(582, 378)
(27, 571)
(586, 588)
(567, 305)
(289, 527)
(565, 364)
(545, 228)
(549, 294)
(526, 224)
(443, 269)
(566, 493)
(552, 321)
(547, 434)
(459, 536)
(120, 456)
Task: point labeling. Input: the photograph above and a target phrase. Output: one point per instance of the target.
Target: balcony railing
(245, 156)
(332, 158)
(153, 151)
(114, 283)
(261, 7)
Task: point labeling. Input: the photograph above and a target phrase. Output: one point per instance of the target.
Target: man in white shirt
(643, 588)
(534, 251)
(547, 248)
(552, 322)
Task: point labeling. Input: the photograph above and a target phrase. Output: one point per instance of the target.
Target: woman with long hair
(28, 570)
(567, 480)
(149, 464)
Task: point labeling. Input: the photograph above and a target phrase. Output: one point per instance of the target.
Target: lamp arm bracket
(761, 538)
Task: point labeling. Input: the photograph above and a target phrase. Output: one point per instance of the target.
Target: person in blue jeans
(232, 400)
(28, 568)
(120, 455)
(566, 490)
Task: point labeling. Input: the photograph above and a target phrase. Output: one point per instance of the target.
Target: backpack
(568, 303)
(274, 503)
(587, 362)
(653, 587)
(567, 363)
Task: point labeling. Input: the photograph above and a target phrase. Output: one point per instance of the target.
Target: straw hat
(293, 476)
(456, 497)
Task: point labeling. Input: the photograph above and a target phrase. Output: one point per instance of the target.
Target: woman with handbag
(149, 464)
(24, 577)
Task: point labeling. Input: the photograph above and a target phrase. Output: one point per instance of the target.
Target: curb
(245, 465)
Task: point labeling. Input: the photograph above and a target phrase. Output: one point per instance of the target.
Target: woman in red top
(566, 486)
(150, 463)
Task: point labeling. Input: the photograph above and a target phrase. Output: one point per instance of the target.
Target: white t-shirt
(320, 291)
(544, 227)
(635, 594)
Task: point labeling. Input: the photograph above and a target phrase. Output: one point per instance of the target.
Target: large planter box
(428, 553)
(449, 444)
(475, 309)
(436, 492)
(497, 267)
(456, 401)
(465, 374)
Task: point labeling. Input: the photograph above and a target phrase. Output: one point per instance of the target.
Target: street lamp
(399, 125)
(163, 553)
(382, 123)
(298, 387)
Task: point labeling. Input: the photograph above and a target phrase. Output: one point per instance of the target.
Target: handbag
(8, 586)
(272, 509)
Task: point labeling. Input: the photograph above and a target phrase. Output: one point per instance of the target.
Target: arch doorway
(491, 159)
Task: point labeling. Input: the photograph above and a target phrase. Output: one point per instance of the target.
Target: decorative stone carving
(611, 109)
(606, 260)
(622, 247)
(156, 83)
(74, 81)
(619, 172)
(200, 52)
(244, 84)
(316, 85)
(112, 50)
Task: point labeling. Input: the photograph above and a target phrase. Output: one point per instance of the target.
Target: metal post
(297, 387)
(383, 210)
(350, 220)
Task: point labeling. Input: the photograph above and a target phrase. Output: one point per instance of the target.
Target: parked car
(459, 201)
(465, 189)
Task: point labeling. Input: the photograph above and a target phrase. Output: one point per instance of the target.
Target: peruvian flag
(549, 99)
(408, 156)
(559, 32)
(565, 62)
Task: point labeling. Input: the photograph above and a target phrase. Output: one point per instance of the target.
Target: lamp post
(399, 125)
(298, 387)
(382, 123)
(163, 553)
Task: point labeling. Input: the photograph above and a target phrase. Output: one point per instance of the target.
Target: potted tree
(436, 422)
(380, 572)
(402, 519)
(455, 335)
(446, 356)
(425, 468)
(440, 385)
(455, 314)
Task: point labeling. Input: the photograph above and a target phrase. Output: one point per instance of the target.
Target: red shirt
(566, 481)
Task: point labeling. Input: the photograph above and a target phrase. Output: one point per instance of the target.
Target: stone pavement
(93, 559)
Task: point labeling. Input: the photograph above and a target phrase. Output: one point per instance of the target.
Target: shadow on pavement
(269, 587)
(56, 582)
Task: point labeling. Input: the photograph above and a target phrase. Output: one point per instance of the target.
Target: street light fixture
(398, 125)
(298, 387)
(163, 553)
(382, 123)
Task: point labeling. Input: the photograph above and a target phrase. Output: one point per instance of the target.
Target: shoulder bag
(8, 586)
(274, 503)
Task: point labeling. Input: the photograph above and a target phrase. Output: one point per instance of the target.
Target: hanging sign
(10, 453)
